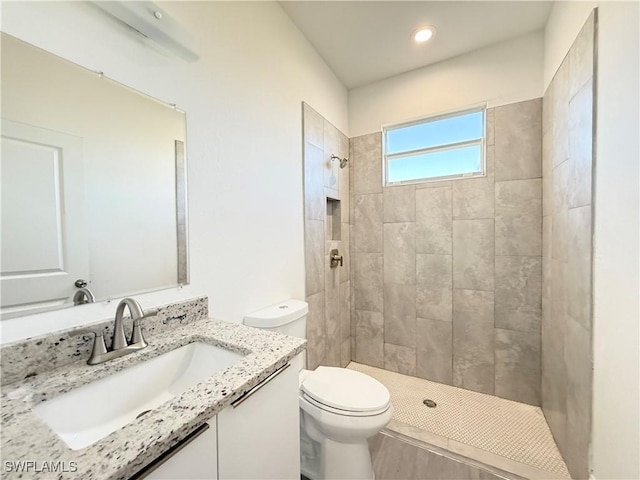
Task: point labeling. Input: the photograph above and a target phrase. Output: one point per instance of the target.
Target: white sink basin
(89, 413)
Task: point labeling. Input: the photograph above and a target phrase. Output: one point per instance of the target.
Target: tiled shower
(479, 283)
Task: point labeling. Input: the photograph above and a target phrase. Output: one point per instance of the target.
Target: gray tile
(400, 359)
(345, 251)
(559, 222)
(517, 364)
(577, 357)
(314, 256)
(560, 114)
(400, 204)
(313, 126)
(314, 201)
(434, 287)
(547, 175)
(434, 350)
(473, 198)
(433, 220)
(434, 303)
(490, 126)
(473, 254)
(400, 314)
(367, 211)
(400, 253)
(369, 338)
(316, 331)
(581, 57)
(518, 293)
(579, 266)
(473, 342)
(345, 310)
(345, 352)
(332, 312)
(546, 256)
(519, 218)
(434, 271)
(366, 163)
(581, 146)
(392, 459)
(518, 140)
(367, 281)
(332, 146)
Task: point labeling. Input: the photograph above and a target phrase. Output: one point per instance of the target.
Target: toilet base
(331, 460)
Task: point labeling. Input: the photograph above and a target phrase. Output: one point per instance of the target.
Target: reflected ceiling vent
(154, 23)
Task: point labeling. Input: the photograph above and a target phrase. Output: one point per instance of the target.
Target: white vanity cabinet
(258, 437)
(196, 457)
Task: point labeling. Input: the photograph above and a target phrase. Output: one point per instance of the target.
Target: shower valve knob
(336, 258)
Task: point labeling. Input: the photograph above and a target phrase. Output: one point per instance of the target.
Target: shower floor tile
(504, 428)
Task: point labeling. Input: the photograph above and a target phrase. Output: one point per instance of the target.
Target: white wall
(615, 442)
(503, 73)
(244, 139)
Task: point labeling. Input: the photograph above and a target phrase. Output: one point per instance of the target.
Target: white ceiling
(366, 41)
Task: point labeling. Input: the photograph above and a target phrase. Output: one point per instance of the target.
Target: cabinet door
(258, 437)
(194, 458)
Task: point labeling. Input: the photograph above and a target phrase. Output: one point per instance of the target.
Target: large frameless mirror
(93, 182)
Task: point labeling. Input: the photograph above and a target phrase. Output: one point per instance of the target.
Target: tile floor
(508, 435)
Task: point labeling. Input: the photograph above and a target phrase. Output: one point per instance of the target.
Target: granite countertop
(124, 452)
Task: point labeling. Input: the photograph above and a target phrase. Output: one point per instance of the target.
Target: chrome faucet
(83, 295)
(119, 344)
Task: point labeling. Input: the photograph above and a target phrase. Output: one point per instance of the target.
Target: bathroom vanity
(182, 413)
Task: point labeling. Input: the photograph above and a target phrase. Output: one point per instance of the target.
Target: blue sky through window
(466, 127)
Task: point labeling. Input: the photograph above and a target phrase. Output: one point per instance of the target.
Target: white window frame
(450, 146)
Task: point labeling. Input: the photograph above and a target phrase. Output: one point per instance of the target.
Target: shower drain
(429, 403)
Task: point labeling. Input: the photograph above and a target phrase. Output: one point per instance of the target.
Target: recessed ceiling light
(422, 34)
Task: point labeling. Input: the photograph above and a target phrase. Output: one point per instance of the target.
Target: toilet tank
(288, 317)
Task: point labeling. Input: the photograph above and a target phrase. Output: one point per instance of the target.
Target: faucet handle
(99, 346)
(136, 333)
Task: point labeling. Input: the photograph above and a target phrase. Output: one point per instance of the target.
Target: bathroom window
(435, 148)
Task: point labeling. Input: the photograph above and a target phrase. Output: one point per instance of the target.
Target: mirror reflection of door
(44, 246)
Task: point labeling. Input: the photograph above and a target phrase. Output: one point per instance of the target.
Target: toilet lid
(346, 390)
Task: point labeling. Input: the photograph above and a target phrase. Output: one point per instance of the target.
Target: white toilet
(339, 408)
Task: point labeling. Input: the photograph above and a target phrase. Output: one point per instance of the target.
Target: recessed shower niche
(333, 222)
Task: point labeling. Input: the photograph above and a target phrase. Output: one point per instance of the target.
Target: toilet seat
(345, 392)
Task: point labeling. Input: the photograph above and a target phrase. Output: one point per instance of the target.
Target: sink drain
(142, 414)
(429, 403)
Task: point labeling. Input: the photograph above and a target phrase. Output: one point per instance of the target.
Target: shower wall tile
(400, 204)
(581, 58)
(316, 332)
(369, 338)
(567, 252)
(368, 232)
(345, 352)
(433, 220)
(367, 282)
(473, 254)
(579, 390)
(400, 359)
(491, 126)
(519, 217)
(434, 295)
(473, 340)
(345, 310)
(400, 253)
(345, 251)
(473, 198)
(547, 174)
(518, 293)
(313, 189)
(400, 314)
(327, 290)
(517, 364)
(314, 256)
(333, 145)
(434, 350)
(581, 146)
(579, 266)
(367, 163)
(313, 126)
(518, 140)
